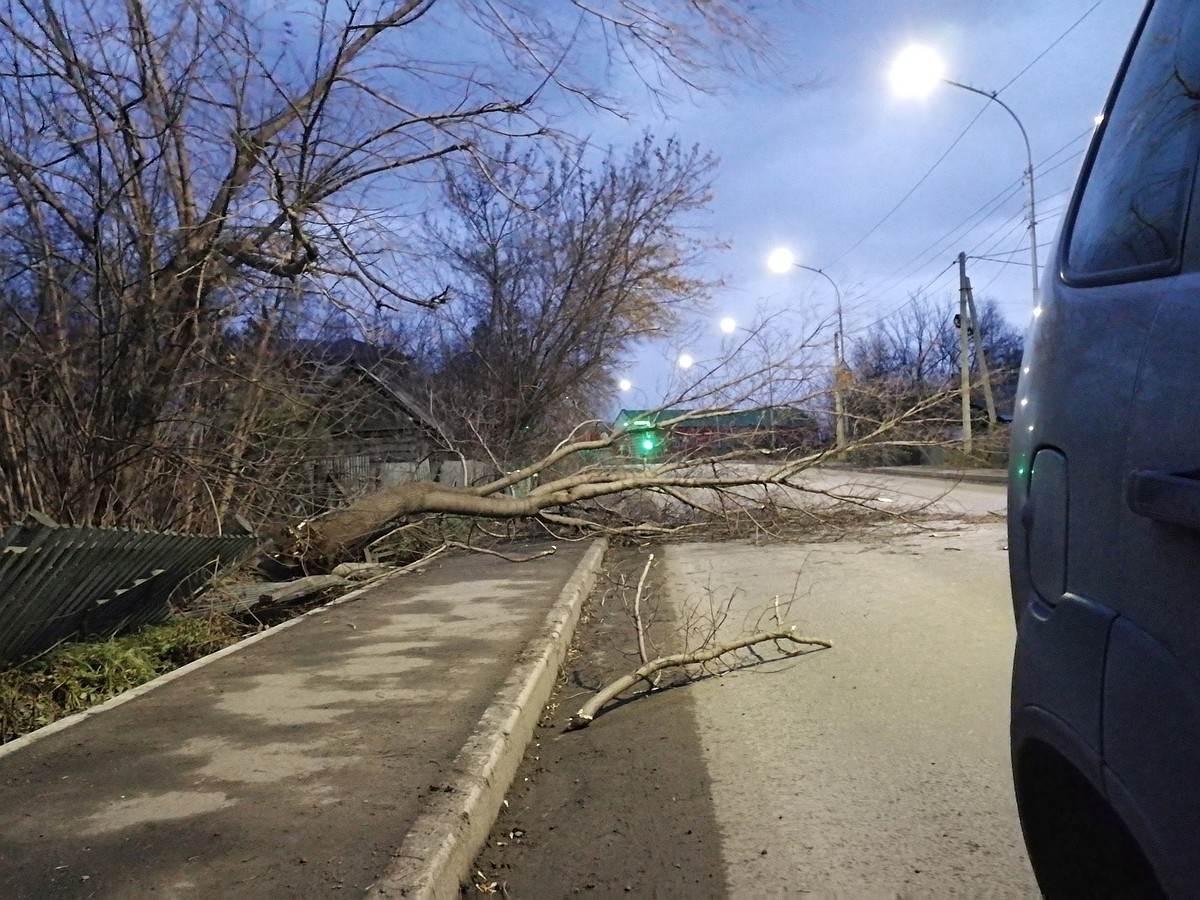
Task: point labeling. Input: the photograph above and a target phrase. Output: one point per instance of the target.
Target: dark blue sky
(819, 166)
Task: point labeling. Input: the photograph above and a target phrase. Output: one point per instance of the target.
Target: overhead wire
(913, 298)
(912, 190)
(1013, 222)
(945, 244)
(939, 245)
(1008, 226)
(936, 282)
(1051, 46)
(999, 256)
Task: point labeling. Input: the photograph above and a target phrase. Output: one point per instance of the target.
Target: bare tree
(560, 266)
(912, 355)
(167, 169)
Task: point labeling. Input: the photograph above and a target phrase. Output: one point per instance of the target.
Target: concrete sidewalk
(363, 747)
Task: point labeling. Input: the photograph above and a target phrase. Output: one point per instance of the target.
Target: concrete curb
(436, 854)
(66, 722)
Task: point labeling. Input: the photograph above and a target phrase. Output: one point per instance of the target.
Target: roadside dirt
(621, 808)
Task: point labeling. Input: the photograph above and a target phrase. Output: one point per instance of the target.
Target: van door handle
(1174, 499)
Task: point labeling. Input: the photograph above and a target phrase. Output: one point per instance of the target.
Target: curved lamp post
(916, 72)
(779, 261)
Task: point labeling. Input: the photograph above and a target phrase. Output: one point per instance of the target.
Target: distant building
(652, 433)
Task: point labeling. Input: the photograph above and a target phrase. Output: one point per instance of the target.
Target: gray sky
(820, 168)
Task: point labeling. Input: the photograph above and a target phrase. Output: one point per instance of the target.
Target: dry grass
(76, 676)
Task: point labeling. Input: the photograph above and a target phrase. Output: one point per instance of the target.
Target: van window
(1130, 219)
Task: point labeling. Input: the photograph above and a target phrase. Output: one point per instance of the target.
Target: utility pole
(980, 356)
(964, 362)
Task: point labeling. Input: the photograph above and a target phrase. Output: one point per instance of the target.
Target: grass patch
(76, 676)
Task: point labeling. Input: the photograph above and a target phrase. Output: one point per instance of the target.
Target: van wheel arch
(1078, 845)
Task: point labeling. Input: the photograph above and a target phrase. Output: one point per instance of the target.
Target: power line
(1003, 262)
(1005, 193)
(1010, 237)
(1072, 158)
(941, 244)
(935, 283)
(911, 190)
(1014, 252)
(913, 298)
(1017, 220)
(1012, 223)
(1053, 44)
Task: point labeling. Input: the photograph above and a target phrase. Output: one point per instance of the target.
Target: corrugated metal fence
(58, 581)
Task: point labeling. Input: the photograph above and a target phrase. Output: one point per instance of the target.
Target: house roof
(386, 369)
(388, 383)
(757, 417)
(627, 417)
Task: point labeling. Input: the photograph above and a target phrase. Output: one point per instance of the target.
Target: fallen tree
(716, 453)
(567, 493)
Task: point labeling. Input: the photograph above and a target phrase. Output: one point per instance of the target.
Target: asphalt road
(948, 498)
(878, 768)
(827, 486)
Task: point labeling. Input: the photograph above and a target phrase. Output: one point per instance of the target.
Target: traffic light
(645, 439)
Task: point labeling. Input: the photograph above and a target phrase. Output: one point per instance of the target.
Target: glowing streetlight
(916, 72)
(624, 384)
(685, 361)
(779, 261)
(728, 325)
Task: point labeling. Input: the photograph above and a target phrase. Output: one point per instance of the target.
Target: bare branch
(588, 712)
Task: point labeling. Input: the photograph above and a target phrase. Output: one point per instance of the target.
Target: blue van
(1104, 500)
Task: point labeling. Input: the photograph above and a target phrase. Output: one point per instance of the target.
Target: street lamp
(729, 325)
(916, 72)
(779, 261)
(685, 361)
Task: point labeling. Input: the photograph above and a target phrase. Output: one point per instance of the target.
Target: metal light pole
(839, 363)
(991, 95)
(915, 73)
(779, 261)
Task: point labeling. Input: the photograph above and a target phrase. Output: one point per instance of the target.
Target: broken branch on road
(591, 709)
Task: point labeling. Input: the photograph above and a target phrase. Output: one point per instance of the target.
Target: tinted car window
(1130, 219)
